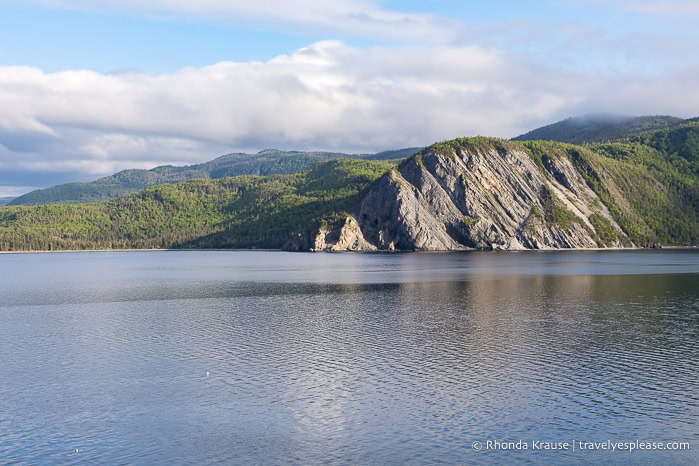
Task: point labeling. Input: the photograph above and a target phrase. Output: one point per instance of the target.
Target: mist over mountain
(675, 138)
(598, 127)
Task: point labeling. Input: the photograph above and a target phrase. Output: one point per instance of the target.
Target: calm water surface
(271, 357)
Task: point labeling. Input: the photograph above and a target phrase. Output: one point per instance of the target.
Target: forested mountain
(242, 212)
(494, 194)
(675, 139)
(266, 162)
(5, 200)
(598, 127)
(465, 193)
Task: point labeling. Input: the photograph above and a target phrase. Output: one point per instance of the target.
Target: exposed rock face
(458, 198)
(348, 237)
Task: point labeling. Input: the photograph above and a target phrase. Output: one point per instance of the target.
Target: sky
(91, 87)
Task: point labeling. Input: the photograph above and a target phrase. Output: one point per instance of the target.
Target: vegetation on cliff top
(476, 144)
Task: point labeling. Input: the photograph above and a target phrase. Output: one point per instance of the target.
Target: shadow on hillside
(272, 230)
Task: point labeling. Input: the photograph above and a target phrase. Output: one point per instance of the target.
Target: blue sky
(89, 87)
(106, 40)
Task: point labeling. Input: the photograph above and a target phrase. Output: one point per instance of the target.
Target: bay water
(265, 357)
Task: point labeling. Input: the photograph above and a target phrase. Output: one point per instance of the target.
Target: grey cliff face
(459, 199)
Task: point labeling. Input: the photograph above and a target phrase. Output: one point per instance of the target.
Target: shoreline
(351, 252)
(44, 251)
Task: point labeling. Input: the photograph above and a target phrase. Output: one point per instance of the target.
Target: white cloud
(325, 96)
(15, 191)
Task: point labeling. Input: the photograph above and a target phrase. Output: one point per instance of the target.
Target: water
(271, 357)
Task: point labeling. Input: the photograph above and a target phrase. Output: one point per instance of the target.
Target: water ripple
(185, 358)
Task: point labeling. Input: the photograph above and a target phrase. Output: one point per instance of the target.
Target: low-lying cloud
(327, 96)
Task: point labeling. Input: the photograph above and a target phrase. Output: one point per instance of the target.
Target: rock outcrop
(492, 196)
(348, 237)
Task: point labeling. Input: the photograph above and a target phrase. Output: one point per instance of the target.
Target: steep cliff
(479, 194)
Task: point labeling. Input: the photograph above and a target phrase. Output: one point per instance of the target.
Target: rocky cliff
(477, 194)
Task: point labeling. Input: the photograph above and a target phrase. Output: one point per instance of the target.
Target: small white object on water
(207, 373)
(76, 450)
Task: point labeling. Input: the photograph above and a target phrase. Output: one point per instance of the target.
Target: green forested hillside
(598, 128)
(245, 211)
(653, 197)
(267, 162)
(652, 194)
(679, 145)
(649, 171)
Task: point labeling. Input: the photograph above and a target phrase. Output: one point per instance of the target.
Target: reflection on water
(346, 358)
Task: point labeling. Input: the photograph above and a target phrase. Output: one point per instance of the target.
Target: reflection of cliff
(549, 319)
(346, 363)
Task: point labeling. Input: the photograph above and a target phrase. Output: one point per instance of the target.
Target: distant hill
(266, 162)
(598, 127)
(5, 200)
(675, 138)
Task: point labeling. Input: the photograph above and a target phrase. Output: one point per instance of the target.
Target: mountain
(494, 194)
(266, 162)
(242, 212)
(466, 193)
(5, 200)
(598, 127)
